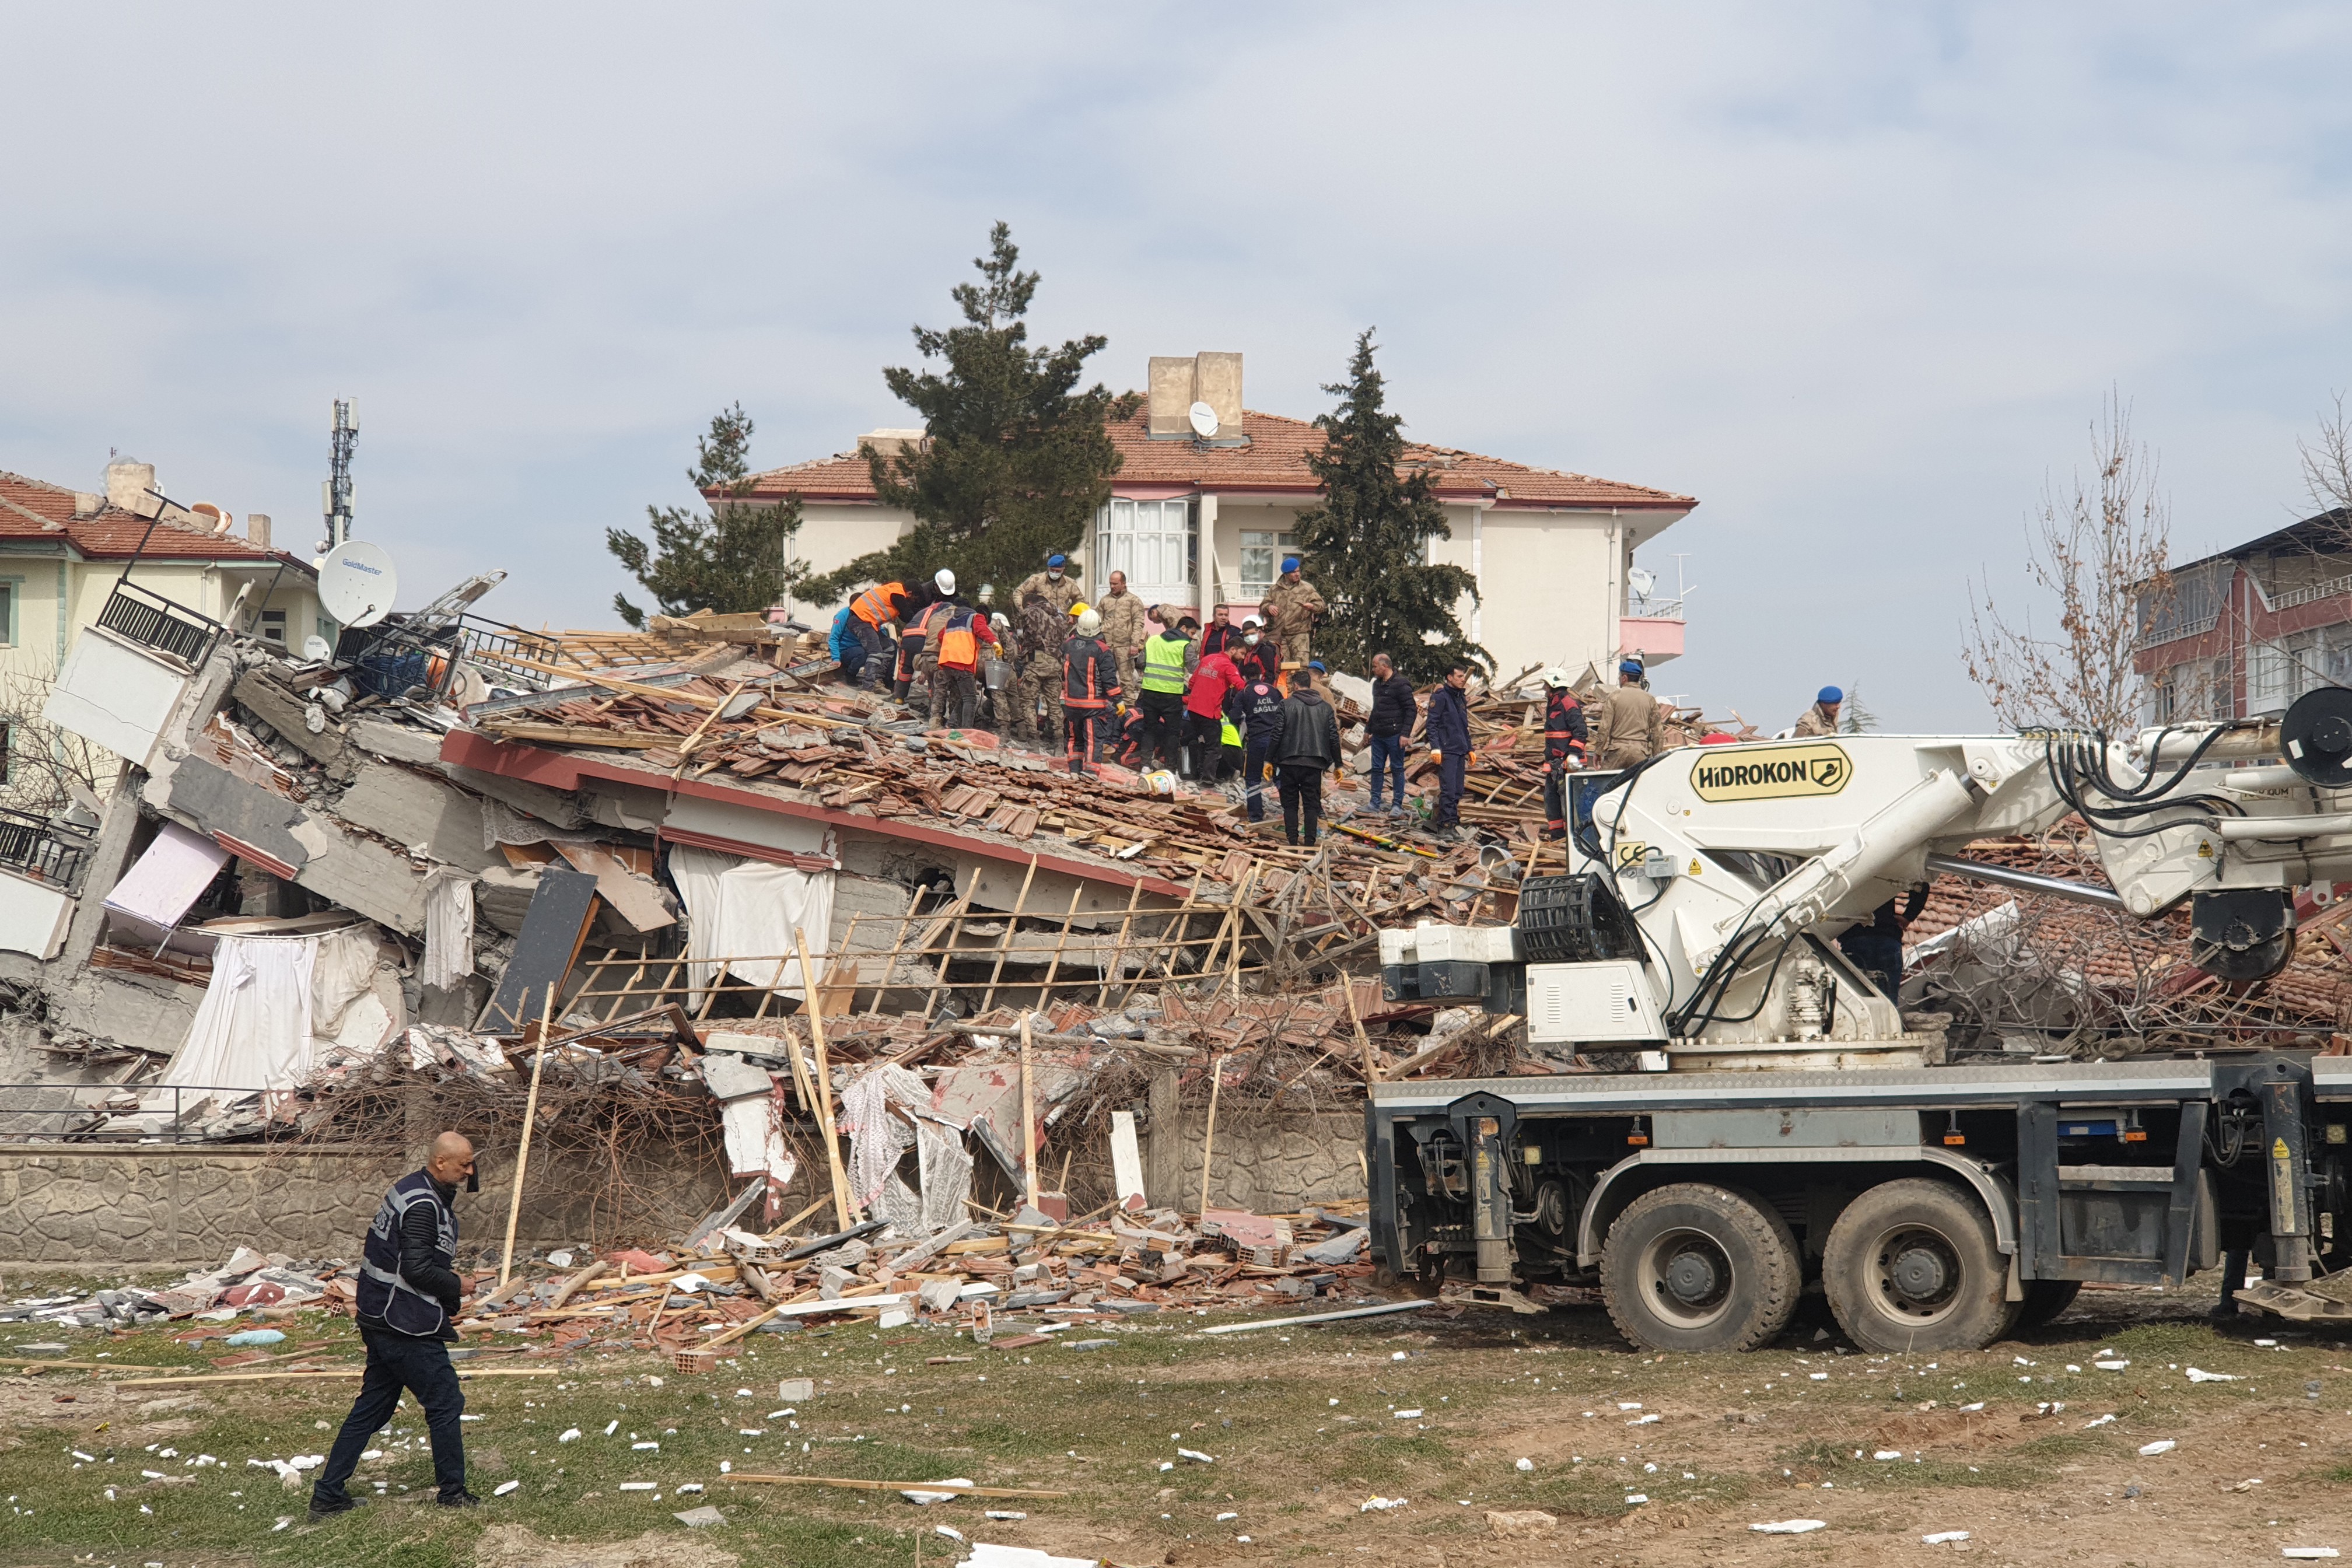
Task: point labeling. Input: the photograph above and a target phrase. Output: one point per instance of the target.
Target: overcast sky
(1856, 276)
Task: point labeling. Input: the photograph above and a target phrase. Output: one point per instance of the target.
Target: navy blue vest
(383, 1292)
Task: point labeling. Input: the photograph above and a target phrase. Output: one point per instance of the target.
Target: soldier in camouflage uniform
(1292, 609)
(1061, 589)
(1122, 628)
(1042, 630)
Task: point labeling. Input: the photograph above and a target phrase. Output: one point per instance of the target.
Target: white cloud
(1855, 275)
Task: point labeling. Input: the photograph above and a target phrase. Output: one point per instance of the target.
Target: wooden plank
(630, 896)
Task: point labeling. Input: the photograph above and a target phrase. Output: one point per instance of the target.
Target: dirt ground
(2030, 1447)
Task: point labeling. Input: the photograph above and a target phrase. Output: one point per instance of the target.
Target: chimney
(86, 504)
(128, 480)
(890, 443)
(256, 529)
(1176, 383)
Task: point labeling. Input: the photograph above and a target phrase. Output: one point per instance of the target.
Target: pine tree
(1367, 546)
(729, 560)
(1015, 459)
(1854, 718)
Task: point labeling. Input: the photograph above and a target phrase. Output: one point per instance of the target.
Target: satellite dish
(1204, 420)
(357, 584)
(315, 648)
(1642, 582)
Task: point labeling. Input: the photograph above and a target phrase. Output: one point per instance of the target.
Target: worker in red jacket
(1089, 688)
(1204, 712)
(1564, 736)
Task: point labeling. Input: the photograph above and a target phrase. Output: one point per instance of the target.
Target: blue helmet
(1316, 664)
(1830, 694)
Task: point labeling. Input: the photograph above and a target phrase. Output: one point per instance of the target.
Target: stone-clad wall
(114, 1206)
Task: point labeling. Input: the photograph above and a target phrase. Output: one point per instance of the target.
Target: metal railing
(154, 621)
(80, 1110)
(2175, 630)
(1640, 609)
(2312, 593)
(27, 846)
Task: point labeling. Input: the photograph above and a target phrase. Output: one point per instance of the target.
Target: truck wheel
(2045, 1300)
(1912, 1265)
(1694, 1266)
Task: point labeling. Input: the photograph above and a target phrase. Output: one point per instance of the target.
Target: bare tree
(2327, 465)
(2099, 549)
(43, 764)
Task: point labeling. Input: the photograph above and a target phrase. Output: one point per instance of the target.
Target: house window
(8, 612)
(273, 626)
(1151, 542)
(1262, 554)
(2270, 679)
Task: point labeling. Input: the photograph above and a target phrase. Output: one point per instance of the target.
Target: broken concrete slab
(416, 809)
(278, 706)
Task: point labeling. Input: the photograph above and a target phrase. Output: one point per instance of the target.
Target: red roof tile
(1274, 461)
(32, 510)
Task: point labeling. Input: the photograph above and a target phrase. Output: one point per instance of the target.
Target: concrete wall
(835, 533)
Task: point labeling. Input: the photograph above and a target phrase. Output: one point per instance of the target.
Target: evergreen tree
(1016, 458)
(1854, 718)
(1366, 547)
(729, 561)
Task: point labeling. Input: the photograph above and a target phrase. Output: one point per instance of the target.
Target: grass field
(1304, 1427)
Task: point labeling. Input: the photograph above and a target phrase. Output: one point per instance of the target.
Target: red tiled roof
(32, 510)
(1274, 459)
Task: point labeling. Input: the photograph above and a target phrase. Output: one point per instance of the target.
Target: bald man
(409, 1293)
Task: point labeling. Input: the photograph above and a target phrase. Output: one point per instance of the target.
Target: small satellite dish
(357, 584)
(1642, 582)
(1204, 420)
(315, 648)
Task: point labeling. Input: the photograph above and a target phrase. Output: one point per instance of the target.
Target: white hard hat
(1249, 621)
(1089, 624)
(1555, 677)
(944, 581)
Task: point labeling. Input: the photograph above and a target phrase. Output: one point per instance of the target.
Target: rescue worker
(1564, 739)
(1394, 713)
(1089, 688)
(1167, 658)
(1220, 636)
(409, 1295)
(1821, 718)
(1122, 626)
(1632, 728)
(1261, 724)
(925, 660)
(847, 651)
(1308, 749)
(1446, 727)
(1253, 654)
(955, 683)
(1292, 608)
(1039, 684)
(1205, 695)
(915, 632)
(872, 611)
(1060, 589)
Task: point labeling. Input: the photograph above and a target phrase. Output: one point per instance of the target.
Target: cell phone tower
(336, 490)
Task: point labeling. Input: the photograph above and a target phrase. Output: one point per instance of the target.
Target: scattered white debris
(1383, 1504)
(2199, 1375)
(1943, 1537)
(505, 1487)
(2110, 1365)
(612, 1427)
(571, 1434)
(638, 1486)
(925, 1499)
(1197, 1457)
(645, 1447)
(949, 1531)
(1967, 1408)
(2309, 1554)
(1412, 1414)
(1818, 1376)
(2098, 1421)
(1223, 1517)
(1525, 1464)
(1623, 1405)
(1633, 1498)
(1790, 1527)
(562, 1259)
(1651, 1419)
(2161, 1445)
(1003, 1513)
(1887, 1454)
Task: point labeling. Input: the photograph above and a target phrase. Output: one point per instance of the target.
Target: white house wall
(833, 535)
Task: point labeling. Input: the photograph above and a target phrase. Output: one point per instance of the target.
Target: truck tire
(2045, 1300)
(1695, 1266)
(1913, 1266)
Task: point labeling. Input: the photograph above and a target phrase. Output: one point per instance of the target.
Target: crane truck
(1767, 1119)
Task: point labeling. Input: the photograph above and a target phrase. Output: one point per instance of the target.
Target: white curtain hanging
(740, 914)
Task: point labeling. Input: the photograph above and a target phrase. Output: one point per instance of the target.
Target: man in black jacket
(409, 1292)
(1308, 749)
(1448, 730)
(1260, 719)
(1393, 715)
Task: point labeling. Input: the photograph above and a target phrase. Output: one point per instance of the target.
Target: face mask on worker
(1250, 639)
(1055, 572)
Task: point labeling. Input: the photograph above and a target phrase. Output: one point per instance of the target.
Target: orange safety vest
(873, 607)
(959, 649)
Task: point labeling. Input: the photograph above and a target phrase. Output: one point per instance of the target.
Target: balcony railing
(29, 848)
(2175, 630)
(154, 621)
(1640, 609)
